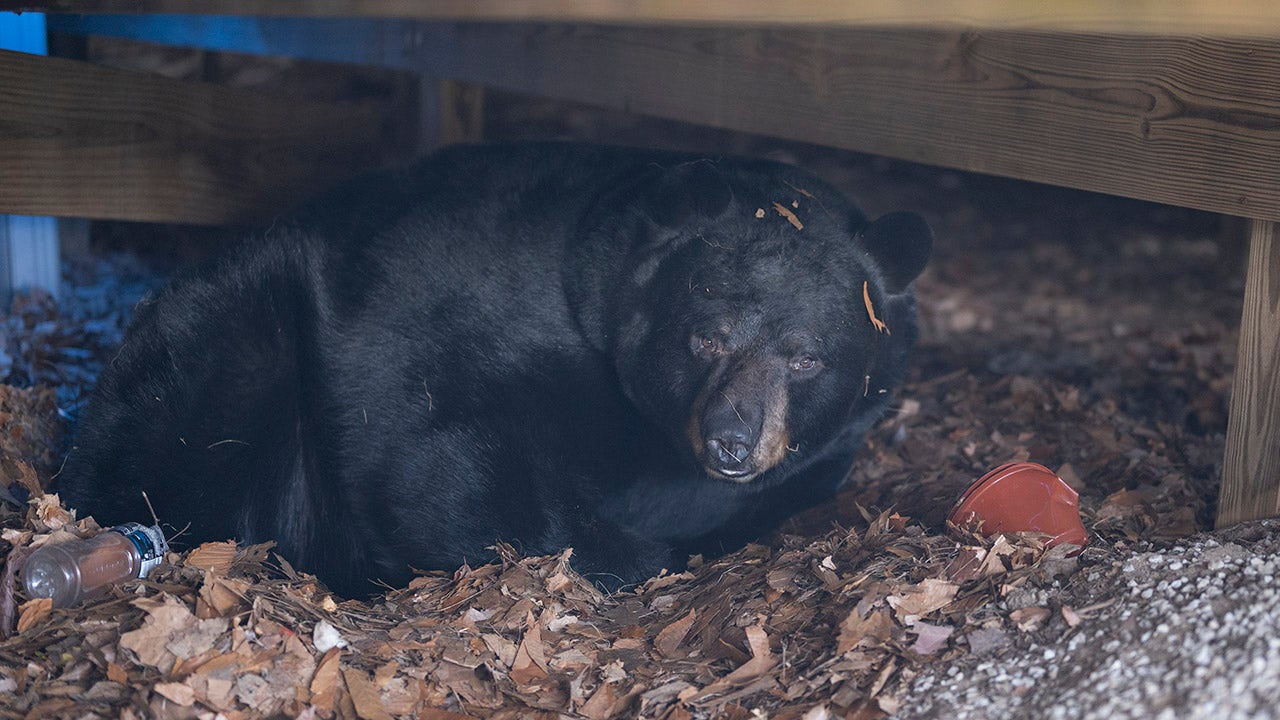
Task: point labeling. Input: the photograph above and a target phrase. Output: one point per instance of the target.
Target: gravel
(1191, 631)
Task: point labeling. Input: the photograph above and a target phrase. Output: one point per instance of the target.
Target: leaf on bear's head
(785, 212)
(800, 190)
(871, 311)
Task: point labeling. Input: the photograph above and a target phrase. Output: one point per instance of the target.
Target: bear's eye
(706, 345)
(804, 364)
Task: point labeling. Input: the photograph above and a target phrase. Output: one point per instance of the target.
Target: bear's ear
(687, 191)
(901, 243)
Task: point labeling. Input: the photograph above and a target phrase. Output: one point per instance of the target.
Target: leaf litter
(221, 629)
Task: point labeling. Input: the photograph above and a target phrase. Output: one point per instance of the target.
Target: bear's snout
(738, 429)
(730, 431)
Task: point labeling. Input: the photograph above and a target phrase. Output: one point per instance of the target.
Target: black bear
(637, 354)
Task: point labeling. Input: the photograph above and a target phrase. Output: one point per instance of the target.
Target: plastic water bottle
(72, 571)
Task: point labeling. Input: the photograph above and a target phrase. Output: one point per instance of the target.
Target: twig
(152, 510)
(8, 606)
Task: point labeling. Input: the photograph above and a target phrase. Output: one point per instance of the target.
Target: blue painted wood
(349, 40)
(28, 245)
(23, 32)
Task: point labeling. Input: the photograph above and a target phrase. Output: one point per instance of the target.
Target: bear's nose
(730, 449)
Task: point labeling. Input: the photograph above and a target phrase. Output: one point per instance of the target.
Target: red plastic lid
(1023, 497)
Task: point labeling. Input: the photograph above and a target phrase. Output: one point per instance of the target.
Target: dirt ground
(1093, 335)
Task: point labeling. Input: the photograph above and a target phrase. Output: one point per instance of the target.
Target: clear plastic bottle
(72, 571)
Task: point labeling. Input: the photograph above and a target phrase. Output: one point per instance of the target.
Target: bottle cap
(149, 541)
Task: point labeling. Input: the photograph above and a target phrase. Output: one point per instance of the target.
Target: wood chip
(33, 612)
(785, 212)
(213, 556)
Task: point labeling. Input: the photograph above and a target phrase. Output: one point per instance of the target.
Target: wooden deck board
(1194, 123)
(1189, 122)
(1237, 18)
(86, 141)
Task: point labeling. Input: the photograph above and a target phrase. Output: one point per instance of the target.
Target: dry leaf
(669, 639)
(502, 648)
(177, 692)
(1070, 616)
(324, 690)
(33, 612)
(600, 705)
(365, 695)
(530, 664)
(857, 631)
(966, 565)
(882, 677)
(1029, 618)
(438, 714)
(220, 596)
(931, 638)
(49, 513)
(1072, 478)
(919, 600)
(761, 661)
(170, 632)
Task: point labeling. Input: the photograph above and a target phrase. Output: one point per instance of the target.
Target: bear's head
(752, 313)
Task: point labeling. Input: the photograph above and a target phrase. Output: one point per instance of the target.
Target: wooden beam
(1247, 18)
(1194, 123)
(87, 141)
(450, 112)
(1189, 122)
(461, 108)
(28, 245)
(1251, 469)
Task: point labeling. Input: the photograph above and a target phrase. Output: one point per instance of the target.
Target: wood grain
(1248, 18)
(1251, 468)
(84, 141)
(1191, 122)
(1194, 123)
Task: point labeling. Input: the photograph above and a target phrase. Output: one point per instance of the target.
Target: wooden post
(449, 112)
(1251, 468)
(28, 245)
(28, 254)
(461, 112)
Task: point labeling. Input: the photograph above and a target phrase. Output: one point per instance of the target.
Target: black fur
(549, 344)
